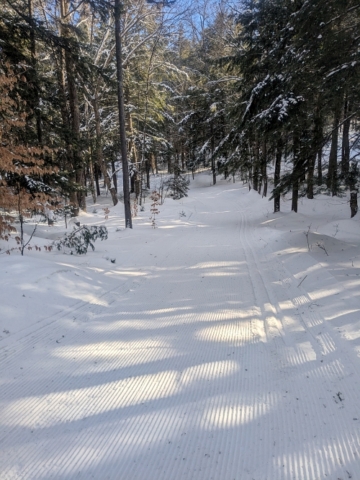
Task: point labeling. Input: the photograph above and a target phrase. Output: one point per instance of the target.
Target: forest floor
(224, 344)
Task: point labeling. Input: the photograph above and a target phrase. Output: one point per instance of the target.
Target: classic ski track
(78, 311)
(32, 337)
(330, 373)
(166, 391)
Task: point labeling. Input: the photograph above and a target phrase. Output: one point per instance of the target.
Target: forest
(215, 332)
(264, 90)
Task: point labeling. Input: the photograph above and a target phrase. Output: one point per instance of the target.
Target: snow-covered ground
(224, 344)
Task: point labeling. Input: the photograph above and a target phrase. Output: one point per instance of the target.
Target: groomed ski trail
(209, 364)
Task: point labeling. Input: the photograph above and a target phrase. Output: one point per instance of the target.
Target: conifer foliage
(297, 97)
(270, 93)
(178, 184)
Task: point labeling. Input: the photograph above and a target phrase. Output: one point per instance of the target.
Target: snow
(223, 344)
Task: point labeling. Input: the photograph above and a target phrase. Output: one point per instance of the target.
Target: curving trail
(213, 364)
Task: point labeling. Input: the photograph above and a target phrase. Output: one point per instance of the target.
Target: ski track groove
(308, 321)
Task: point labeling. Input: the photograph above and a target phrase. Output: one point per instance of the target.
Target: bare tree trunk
(345, 150)
(255, 172)
(153, 163)
(119, 72)
(213, 168)
(67, 64)
(114, 177)
(133, 154)
(332, 172)
(92, 180)
(277, 177)
(317, 140)
(182, 157)
(263, 168)
(73, 199)
(353, 176)
(296, 175)
(99, 154)
(75, 126)
(295, 195)
(35, 107)
(319, 167)
(96, 173)
(310, 177)
(147, 170)
(169, 162)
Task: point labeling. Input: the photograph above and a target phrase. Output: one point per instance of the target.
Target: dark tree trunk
(96, 174)
(213, 167)
(81, 194)
(99, 153)
(147, 171)
(123, 148)
(332, 172)
(169, 162)
(277, 177)
(297, 171)
(295, 195)
(310, 176)
(114, 176)
(315, 152)
(255, 178)
(75, 127)
(65, 116)
(264, 169)
(77, 198)
(319, 167)
(345, 150)
(255, 172)
(92, 179)
(182, 157)
(35, 107)
(353, 176)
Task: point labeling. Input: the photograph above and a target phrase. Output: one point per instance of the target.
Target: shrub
(80, 239)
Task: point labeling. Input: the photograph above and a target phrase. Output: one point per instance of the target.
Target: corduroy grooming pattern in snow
(214, 364)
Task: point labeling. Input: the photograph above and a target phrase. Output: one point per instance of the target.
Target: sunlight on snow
(128, 273)
(77, 404)
(296, 250)
(286, 305)
(110, 350)
(268, 221)
(323, 293)
(238, 333)
(219, 274)
(77, 289)
(318, 458)
(258, 330)
(208, 371)
(85, 297)
(300, 354)
(236, 414)
(73, 405)
(352, 332)
(215, 265)
(160, 311)
(134, 324)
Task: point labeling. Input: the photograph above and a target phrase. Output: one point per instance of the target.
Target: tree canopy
(263, 89)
